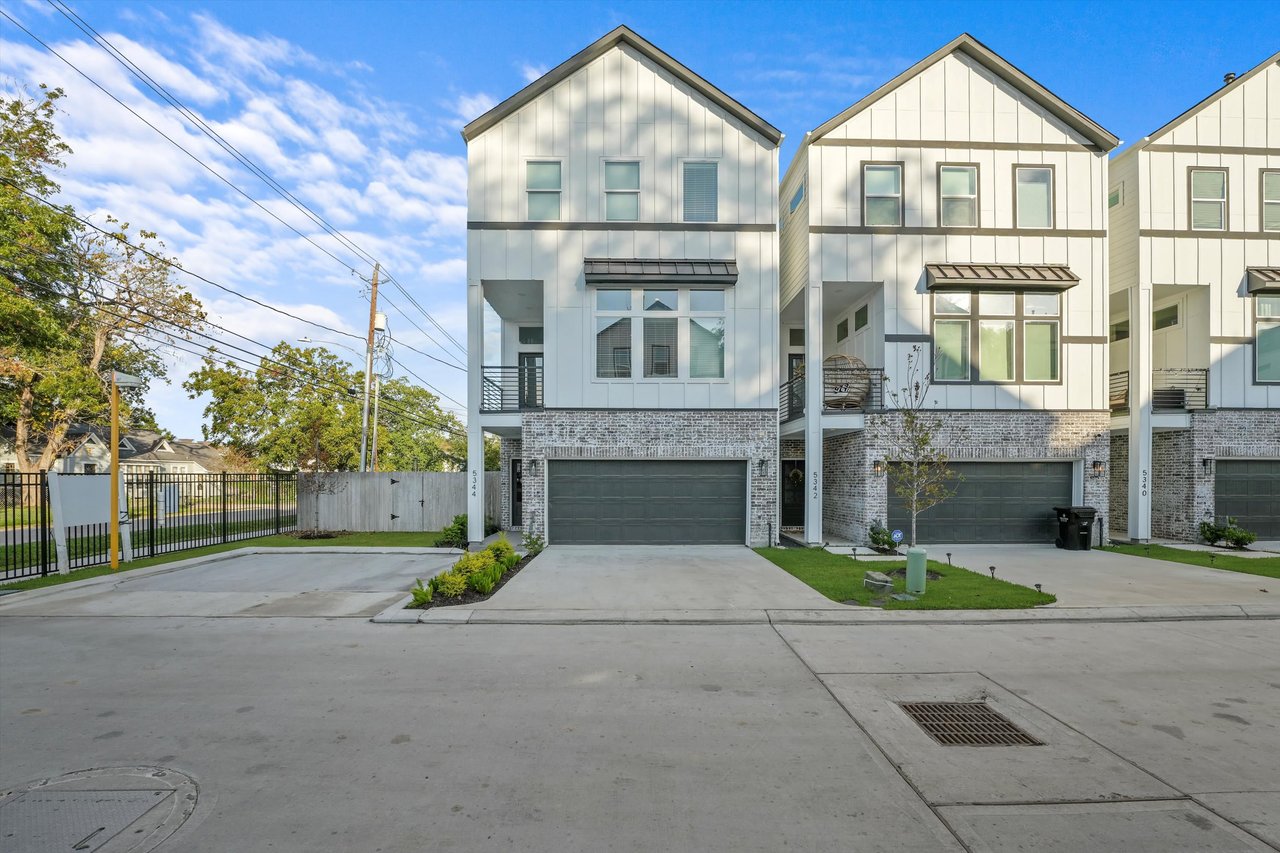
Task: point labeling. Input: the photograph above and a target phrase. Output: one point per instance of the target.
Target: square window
(795, 337)
(701, 194)
(543, 176)
(622, 176)
(951, 302)
(1164, 318)
(1034, 196)
(860, 317)
(1000, 304)
(613, 300)
(622, 207)
(1040, 304)
(842, 330)
(706, 300)
(531, 335)
(661, 300)
(1267, 307)
(544, 206)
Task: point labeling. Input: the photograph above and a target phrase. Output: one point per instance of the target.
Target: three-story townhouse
(957, 212)
(1195, 317)
(622, 238)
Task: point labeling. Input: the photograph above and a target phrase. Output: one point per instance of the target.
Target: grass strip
(1267, 567)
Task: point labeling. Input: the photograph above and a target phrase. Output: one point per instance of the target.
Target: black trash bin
(1075, 527)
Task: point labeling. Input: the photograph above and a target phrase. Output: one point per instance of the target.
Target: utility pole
(377, 381)
(368, 368)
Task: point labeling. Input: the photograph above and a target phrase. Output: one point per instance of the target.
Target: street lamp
(118, 380)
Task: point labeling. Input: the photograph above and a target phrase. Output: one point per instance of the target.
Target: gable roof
(988, 58)
(621, 35)
(1274, 59)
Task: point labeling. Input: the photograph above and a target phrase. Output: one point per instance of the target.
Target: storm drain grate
(967, 724)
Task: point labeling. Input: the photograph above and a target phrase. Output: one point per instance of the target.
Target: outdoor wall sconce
(1207, 463)
(1099, 467)
(877, 467)
(762, 465)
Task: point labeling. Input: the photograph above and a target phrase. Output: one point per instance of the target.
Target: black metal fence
(165, 513)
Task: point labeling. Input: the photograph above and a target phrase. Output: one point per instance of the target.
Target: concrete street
(309, 733)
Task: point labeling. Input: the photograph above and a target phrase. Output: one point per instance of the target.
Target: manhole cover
(108, 810)
(967, 724)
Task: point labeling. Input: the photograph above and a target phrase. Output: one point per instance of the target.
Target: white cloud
(532, 72)
(471, 106)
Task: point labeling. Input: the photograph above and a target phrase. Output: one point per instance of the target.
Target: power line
(452, 364)
(425, 313)
(438, 392)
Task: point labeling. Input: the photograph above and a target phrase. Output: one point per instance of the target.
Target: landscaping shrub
(452, 585)
(1238, 537)
(502, 551)
(455, 535)
(533, 544)
(880, 536)
(482, 582)
(1212, 532)
(477, 562)
(422, 595)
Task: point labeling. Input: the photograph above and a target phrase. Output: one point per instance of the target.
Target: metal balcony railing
(1173, 389)
(510, 389)
(844, 389)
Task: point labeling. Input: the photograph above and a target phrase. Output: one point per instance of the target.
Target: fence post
(151, 508)
(224, 506)
(43, 502)
(277, 516)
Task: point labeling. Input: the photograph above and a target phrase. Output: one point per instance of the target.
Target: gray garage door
(642, 502)
(996, 502)
(1249, 489)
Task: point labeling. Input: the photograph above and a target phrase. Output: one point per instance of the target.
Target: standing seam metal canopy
(659, 271)
(1000, 276)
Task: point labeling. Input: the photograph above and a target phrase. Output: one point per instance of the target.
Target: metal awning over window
(607, 271)
(1000, 277)
(1263, 280)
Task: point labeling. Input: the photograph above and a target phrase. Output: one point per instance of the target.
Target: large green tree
(74, 303)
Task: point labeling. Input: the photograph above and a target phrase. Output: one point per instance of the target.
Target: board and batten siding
(1246, 117)
(623, 106)
(927, 121)
(793, 237)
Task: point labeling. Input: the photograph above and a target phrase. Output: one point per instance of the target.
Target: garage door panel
(1249, 491)
(646, 502)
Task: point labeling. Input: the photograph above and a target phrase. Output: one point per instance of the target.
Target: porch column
(813, 414)
(475, 434)
(1140, 471)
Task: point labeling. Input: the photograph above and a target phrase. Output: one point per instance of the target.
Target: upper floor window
(543, 185)
(1033, 196)
(531, 335)
(1208, 199)
(797, 197)
(1116, 197)
(882, 194)
(622, 191)
(958, 196)
(1271, 201)
(996, 337)
(701, 193)
(681, 333)
(1266, 347)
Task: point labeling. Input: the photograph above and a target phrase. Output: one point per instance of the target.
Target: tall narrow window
(661, 347)
(622, 191)
(958, 196)
(1266, 347)
(1271, 201)
(1208, 199)
(542, 183)
(701, 193)
(1040, 345)
(881, 194)
(613, 347)
(1034, 196)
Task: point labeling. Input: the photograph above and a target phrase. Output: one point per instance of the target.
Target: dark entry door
(517, 492)
(530, 380)
(795, 365)
(793, 493)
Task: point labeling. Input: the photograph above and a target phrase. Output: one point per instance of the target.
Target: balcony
(844, 389)
(1173, 389)
(510, 389)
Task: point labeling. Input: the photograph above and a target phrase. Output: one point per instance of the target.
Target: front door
(517, 492)
(793, 493)
(795, 364)
(530, 380)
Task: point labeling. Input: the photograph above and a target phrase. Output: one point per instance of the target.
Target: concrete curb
(849, 616)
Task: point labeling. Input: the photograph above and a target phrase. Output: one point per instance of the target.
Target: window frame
(902, 190)
(684, 212)
(682, 315)
(797, 198)
(1020, 319)
(1118, 189)
(1053, 197)
(1258, 321)
(1263, 202)
(606, 192)
(1225, 201)
(977, 194)
(558, 192)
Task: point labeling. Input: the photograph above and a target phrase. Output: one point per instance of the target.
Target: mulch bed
(902, 573)
(471, 596)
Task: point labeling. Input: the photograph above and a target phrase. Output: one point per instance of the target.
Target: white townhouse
(1195, 317)
(959, 210)
(622, 239)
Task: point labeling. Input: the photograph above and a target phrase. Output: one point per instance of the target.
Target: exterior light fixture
(762, 465)
(1099, 467)
(877, 467)
(1206, 463)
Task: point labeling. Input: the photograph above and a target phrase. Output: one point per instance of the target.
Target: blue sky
(355, 107)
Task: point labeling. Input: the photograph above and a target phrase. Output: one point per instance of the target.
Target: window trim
(902, 190)
(712, 160)
(1178, 313)
(977, 194)
(1271, 322)
(1262, 201)
(1225, 200)
(605, 192)
(1118, 189)
(560, 192)
(1019, 319)
(637, 314)
(1053, 196)
(797, 198)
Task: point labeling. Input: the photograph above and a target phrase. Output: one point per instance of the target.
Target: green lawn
(840, 578)
(399, 540)
(1268, 567)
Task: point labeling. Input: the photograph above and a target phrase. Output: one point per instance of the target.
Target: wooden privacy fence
(400, 500)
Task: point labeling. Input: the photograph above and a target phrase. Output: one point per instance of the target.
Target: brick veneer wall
(746, 434)
(791, 448)
(1118, 524)
(510, 449)
(853, 496)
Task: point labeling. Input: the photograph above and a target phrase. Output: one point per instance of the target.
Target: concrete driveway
(654, 578)
(1102, 579)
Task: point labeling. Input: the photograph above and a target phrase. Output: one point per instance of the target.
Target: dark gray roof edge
(1262, 280)
(582, 58)
(1087, 127)
(1176, 121)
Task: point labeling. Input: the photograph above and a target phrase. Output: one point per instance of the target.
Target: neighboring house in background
(959, 209)
(141, 451)
(1195, 317)
(622, 225)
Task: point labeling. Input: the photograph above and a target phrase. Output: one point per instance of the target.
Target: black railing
(791, 399)
(844, 389)
(165, 513)
(510, 389)
(1173, 389)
